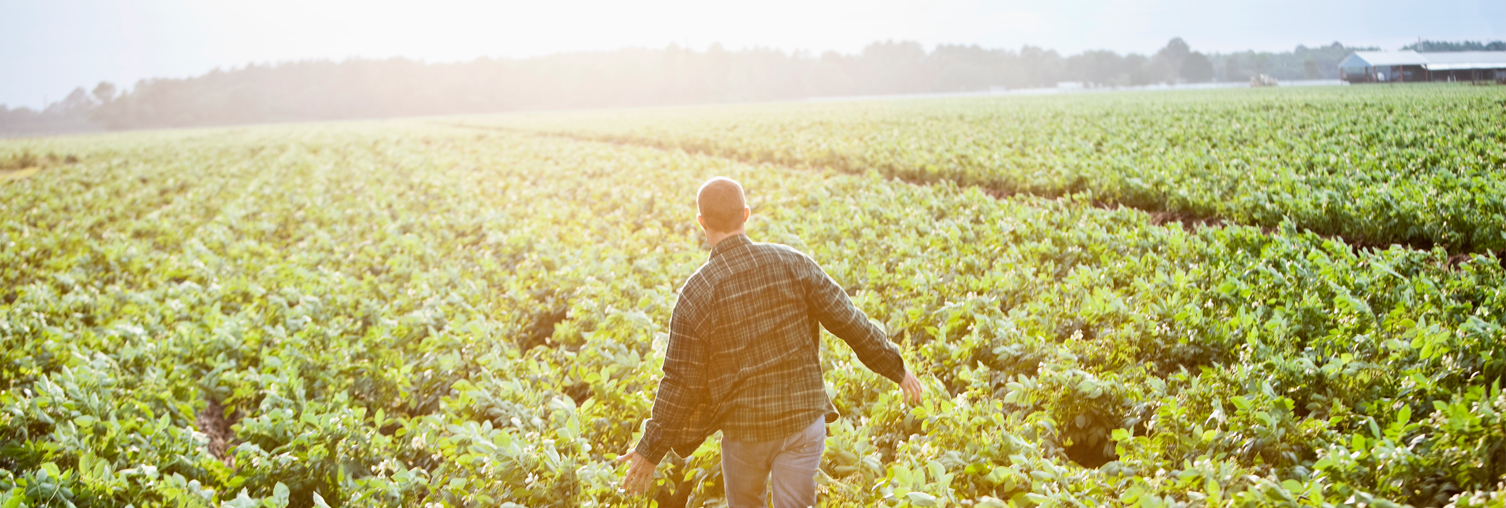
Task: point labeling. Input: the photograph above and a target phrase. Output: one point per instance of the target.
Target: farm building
(1411, 66)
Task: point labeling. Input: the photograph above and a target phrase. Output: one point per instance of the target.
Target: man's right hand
(640, 473)
(911, 387)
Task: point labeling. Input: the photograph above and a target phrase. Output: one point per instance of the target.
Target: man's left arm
(830, 304)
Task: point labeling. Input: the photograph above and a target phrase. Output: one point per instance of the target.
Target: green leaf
(241, 501)
(990, 502)
(998, 475)
(279, 497)
(922, 499)
(1086, 386)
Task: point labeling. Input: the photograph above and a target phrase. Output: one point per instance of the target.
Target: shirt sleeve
(829, 304)
(678, 420)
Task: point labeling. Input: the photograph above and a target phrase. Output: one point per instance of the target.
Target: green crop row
(402, 314)
(1416, 165)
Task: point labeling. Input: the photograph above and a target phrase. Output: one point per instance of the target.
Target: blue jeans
(792, 462)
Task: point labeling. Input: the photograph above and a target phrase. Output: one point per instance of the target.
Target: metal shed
(1411, 66)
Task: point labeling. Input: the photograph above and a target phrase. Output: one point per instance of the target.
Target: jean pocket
(811, 441)
(804, 446)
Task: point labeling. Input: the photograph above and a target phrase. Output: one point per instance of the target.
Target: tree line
(1435, 46)
(371, 88)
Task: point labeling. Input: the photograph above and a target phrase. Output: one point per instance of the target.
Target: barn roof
(1437, 61)
(1381, 58)
(1466, 60)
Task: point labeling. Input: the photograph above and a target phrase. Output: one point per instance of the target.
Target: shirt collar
(729, 243)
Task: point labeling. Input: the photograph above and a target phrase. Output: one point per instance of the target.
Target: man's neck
(716, 237)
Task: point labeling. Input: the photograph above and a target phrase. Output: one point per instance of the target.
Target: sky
(50, 47)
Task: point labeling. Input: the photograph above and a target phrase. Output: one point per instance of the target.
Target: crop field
(1223, 298)
(1419, 168)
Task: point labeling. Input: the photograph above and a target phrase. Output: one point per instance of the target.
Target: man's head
(721, 206)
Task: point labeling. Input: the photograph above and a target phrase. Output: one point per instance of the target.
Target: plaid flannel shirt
(744, 349)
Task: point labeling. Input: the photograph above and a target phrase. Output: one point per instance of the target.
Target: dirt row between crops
(1187, 221)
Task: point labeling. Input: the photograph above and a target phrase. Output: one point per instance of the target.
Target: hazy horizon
(54, 47)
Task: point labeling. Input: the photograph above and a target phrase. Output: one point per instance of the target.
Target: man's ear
(701, 221)
(747, 212)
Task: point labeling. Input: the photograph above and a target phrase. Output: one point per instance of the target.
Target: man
(744, 357)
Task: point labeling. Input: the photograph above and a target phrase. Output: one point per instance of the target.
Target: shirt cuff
(897, 373)
(653, 452)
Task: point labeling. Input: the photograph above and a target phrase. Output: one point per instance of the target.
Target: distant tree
(1099, 68)
(1232, 71)
(1157, 70)
(1197, 68)
(1034, 67)
(1168, 61)
(963, 68)
(363, 88)
(76, 101)
(893, 67)
(1310, 69)
(1175, 51)
(104, 92)
(1139, 70)
(72, 114)
(832, 75)
(1441, 46)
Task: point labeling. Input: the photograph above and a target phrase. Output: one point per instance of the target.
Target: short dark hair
(720, 203)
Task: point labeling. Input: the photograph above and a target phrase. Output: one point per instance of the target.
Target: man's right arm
(830, 305)
(677, 420)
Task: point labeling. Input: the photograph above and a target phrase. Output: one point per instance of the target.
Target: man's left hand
(640, 473)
